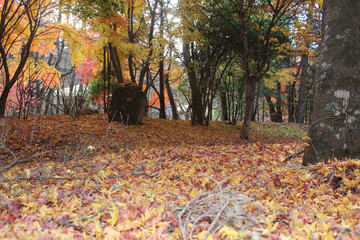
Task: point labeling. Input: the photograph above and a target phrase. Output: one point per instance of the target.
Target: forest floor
(83, 178)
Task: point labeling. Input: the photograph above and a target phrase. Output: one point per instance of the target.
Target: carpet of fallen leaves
(83, 178)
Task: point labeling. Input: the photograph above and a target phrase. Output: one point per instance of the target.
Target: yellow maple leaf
(194, 193)
(321, 216)
(202, 234)
(231, 233)
(305, 176)
(98, 228)
(271, 218)
(30, 208)
(114, 215)
(45, 211)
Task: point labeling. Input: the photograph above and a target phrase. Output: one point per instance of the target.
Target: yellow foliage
(202, 235)
(284, 76)
(231, 233)
(114, 215)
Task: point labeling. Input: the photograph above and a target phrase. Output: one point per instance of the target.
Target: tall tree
(335, 128)
(205, 68)
(141, 17)
(105, 17)
(268, 17)
(231, 95)
(299, 114)
(257, 28)
(205, 58)
(21, 23)
(306, 34)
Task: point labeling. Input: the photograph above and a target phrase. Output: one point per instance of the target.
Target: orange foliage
(155, 101)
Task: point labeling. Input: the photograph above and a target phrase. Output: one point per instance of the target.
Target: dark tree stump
(128, 105)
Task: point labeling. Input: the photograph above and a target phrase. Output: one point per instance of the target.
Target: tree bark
(224, 110)
(271, 108)
(301, 99)
(250, 101)
(161, 66)
(162, 90)
(335, 128)
(116, 63)
(291, 101)
(256, 105)
(175, 114)
(278, 112)
(197, 116)
(33, 20)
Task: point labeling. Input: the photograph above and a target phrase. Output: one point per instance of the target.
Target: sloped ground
(88, 179)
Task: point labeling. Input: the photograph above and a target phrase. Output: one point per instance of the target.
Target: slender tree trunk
(162, 90)
(116, 63)
(72, 84)
(301, 99)
(175, 114)
(130, 28)
(278, 112)
(47, 102)
(146, 65)
(161, 65)
(224, 110)
(335, 127)
(104, 76)
(40, 96)
(197, 116)
(57, 100)
(131, 68)
(33, 21)
(272, 111)
(253, 119)
(250, 101)
(108, 79)
(263, 109)
(291, 101)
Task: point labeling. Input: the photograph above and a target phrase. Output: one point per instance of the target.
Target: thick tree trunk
(250, 101)
(335, 128)
(197, 108)
(197, 115)
(3, 99)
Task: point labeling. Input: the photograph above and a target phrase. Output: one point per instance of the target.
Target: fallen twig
(293, 155)
(222, 206)
(147, 174)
